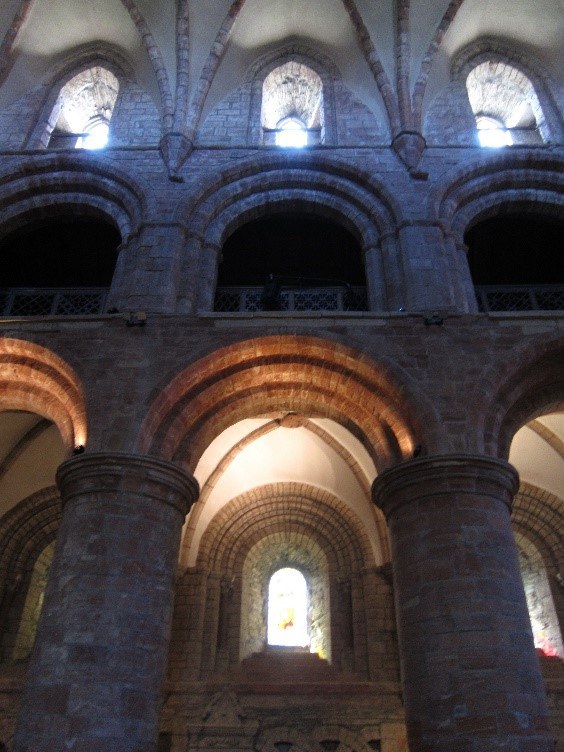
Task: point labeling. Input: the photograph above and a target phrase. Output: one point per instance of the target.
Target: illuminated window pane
(492, 133)
(292, 133)
(287, 609)
(95, 138)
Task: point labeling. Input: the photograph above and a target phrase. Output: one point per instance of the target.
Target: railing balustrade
(520, 297)
(50, 301)
(86, 301)
(249, 299)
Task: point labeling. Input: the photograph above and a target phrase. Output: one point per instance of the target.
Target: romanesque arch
(282, 374)
(530, 384)
(36, 379)
(26, 532)
(309, 183)
(301, 55)
(89, 57)
(498, 52)
(59, 181)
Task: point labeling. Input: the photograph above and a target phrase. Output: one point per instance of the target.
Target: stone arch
(245, 520)
(527, 385)
(494, 50)
(539, 516)
(58, 181)
(308, 375)
(36, 379)
(465, 194)
(490, 187)
(301, 54)
(188, 551)
(274, 526)
(88, 56)
(25, 532)
(538, 522)
(357, 201)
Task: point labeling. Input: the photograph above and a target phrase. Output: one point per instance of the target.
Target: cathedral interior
(291, 283)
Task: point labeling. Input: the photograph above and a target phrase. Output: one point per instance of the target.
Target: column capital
(426, 478)
(146, 476)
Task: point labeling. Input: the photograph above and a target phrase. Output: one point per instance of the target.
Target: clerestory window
(292, 106)
(291, 132)
(492, 132)
(83, 110)
(505, 105)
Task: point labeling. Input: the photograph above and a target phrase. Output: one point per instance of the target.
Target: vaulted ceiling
(177, 49)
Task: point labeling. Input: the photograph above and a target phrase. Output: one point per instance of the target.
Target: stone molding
(425, 479)
(105, 473)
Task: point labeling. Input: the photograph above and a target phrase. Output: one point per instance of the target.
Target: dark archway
(54, 252)
(62, 251)
(300, 251)
(514, 251)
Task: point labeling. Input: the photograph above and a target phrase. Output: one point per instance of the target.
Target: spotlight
(78, 449)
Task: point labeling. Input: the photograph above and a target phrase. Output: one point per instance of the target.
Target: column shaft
(470, 674)
(97, 668)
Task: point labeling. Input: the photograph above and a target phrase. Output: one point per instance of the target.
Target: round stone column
(96, 672)
(470, 675)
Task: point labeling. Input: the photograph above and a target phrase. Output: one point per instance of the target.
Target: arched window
(33, 604)
(492, 132)
(544, 622)
(505, 105)
(292, 106)
(81, 116)
(288, 609)
(291, 132)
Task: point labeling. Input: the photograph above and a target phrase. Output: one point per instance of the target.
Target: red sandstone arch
(35, 379)
(280, 374)
(539, 516)
(509, 395)
(285, 509)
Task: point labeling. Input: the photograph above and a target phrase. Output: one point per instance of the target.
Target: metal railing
(520, 298)
(251, 299)
(50, 301)
(20, 301)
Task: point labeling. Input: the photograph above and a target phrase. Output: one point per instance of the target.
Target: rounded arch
(494, 50)
(26, 532)
(326, 186)
(57, 181)
(36, 379)
(527, 385)
(289, 509)
(484, 188)
(285, 525)
(282, 170)
(304, 55)
(277, 374)
(92, 55)
(538, 515)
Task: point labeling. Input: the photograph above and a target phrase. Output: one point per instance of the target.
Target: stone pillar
(97, 668)
(470, 675)
(148, 271)
(428, 283)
